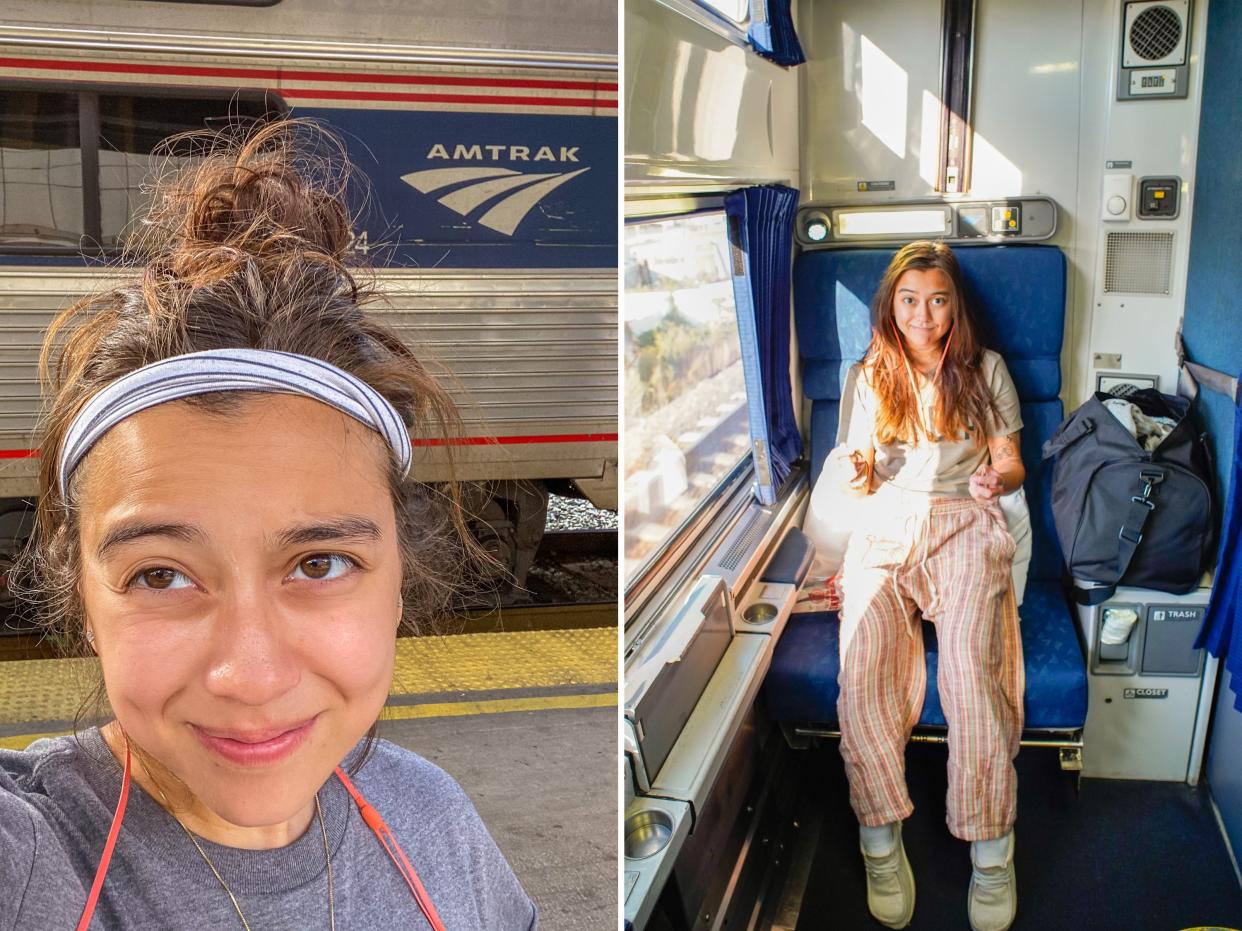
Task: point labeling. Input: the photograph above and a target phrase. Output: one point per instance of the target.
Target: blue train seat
(1020, 294)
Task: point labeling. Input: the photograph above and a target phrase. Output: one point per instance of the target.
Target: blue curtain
(761, 242)
(772, 32)
(1222, 627)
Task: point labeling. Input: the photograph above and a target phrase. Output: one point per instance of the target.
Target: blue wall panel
(1212, 332)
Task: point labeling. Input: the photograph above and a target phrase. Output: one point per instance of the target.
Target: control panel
(1158, 198)
(1007, 220)
(1022, 219)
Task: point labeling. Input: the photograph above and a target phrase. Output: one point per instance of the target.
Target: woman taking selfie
(930, 430)
(224, 521)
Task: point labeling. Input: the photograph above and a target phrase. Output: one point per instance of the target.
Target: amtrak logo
(511, 194)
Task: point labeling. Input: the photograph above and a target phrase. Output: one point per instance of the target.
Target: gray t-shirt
(942, 467)
(56, 803)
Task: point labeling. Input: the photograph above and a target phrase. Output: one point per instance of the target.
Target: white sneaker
(993, 898)
(890, 883)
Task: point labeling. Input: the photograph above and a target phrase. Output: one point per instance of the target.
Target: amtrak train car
(1080, 158)
(486, 134)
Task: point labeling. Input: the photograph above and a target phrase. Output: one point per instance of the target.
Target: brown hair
(246, 246)
(964, 402)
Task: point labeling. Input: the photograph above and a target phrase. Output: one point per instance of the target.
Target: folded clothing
(1149, 432)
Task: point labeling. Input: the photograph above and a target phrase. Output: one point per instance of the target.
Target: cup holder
(761, 612)
(647, 833)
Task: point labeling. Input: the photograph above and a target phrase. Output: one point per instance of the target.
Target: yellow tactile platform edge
(52, 690)
(448, 709)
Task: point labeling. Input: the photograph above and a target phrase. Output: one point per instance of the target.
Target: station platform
(525, 721)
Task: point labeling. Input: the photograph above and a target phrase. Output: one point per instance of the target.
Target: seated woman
(225, 522)
(930, 424)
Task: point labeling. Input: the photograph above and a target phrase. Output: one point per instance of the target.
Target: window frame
(667, 567)
(710, 18)
(88, 143)
(716, 11)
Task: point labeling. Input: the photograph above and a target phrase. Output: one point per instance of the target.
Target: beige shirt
(941, 468)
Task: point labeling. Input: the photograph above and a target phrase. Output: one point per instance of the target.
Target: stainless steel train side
(514, 296)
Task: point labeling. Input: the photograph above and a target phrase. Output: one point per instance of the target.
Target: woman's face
(923, 308)
(241, 577)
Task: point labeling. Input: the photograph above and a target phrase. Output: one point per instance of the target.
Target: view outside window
(685, 397)
(40, 170)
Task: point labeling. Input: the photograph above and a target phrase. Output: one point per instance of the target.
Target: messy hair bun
(244, 245)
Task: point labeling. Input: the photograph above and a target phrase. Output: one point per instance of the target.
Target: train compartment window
(729, 19)
(736, 11)
(40, 170)
(131, 129)
(686, 422)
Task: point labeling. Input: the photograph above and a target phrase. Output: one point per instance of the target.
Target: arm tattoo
(1005, 450)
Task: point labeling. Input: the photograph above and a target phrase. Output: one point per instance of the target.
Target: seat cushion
(801, 686)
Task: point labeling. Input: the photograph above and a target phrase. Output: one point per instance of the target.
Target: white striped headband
(218, 370)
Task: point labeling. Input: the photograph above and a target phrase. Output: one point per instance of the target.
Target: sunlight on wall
(883, 97)
(849, 57)
(929, 140)
(882, 88)
(1055, 67)
(680, 70)
(719, 104)
(992, 173)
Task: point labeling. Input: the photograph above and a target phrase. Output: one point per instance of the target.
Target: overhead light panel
(860, 223)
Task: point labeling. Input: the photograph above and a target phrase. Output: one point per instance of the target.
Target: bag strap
(1128, 537)
(1071, 433)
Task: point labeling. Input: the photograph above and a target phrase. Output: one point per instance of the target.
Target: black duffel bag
(1125, 515)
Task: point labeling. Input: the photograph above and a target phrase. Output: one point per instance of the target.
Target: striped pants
(949, 560)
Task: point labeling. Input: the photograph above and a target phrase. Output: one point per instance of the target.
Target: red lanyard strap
(369, 815)
(394, 851)
(117, 817)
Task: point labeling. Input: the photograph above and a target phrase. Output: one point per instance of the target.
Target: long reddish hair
(964, 403)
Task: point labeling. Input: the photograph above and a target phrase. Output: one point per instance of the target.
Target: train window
(735, 10)
(729, 19)
(685, 405)
(130, 129)
(48, 205)
(40, 169)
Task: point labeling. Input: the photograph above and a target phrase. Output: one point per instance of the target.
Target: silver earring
(90, 636)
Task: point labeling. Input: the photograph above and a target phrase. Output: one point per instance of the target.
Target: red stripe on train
(277, 74)
(312, 94)
(459, 441)
(520, 440)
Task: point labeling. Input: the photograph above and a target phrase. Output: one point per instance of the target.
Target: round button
(1116, 205)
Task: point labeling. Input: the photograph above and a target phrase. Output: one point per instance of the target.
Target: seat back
(1019, 293)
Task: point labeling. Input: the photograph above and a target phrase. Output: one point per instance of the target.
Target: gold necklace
(232, 898)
